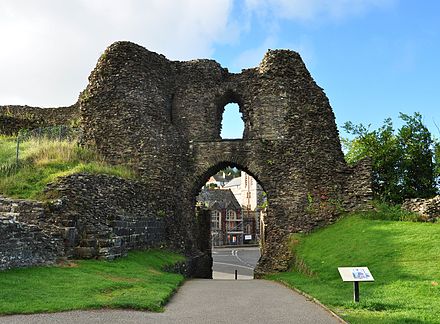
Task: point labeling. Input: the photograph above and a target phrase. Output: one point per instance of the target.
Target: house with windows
(251, 197)
(226, 216)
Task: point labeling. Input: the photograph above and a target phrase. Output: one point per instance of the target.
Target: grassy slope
(136, 281)
(43, 161)
(8, 149)
(403, 257)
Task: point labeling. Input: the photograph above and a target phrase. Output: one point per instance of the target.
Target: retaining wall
(88, 216)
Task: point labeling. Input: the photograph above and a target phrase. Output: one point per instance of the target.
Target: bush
(385, 211)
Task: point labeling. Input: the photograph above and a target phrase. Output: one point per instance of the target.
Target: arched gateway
(164, 117)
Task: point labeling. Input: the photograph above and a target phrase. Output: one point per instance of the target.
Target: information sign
(355, 274)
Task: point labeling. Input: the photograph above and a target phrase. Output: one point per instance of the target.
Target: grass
(404, 258)
(136, 281)
(43, 161)
(8, 148)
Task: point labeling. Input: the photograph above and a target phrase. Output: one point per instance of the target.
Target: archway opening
(236, 205)
(232, 125)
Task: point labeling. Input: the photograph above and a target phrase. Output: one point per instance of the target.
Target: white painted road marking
(233, 265)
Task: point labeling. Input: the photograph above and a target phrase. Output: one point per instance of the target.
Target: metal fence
(53, 133)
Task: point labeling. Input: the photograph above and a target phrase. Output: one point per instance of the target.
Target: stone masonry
(164, 117)
(23, 243)
(428, 209)
(103, 216)
(14, 118)
(86, 216)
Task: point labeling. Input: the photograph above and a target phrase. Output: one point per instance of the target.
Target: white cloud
(49, 47)
(312, 10)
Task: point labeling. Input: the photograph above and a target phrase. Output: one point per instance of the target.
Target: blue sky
(374, 58)
(372, 64)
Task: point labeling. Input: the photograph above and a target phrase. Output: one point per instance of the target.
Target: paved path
(206, 301)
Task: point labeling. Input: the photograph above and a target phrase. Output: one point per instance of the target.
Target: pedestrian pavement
(206, 301)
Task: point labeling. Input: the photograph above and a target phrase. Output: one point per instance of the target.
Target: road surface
(227, 260)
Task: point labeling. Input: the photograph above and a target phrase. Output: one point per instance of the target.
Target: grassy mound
(42, 161)
(404, 258)
(136, 281)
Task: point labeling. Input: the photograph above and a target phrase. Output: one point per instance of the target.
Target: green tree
(403, 164)
(417, 168)
(437, 162)
(234, 172)
(383, 147)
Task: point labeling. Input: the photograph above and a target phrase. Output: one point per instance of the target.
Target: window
(232, 122)
(231, 215)
(216, 220)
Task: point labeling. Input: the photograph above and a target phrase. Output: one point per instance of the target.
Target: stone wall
(23, 243)
(164, 118)
(428, 209)
(88, 216)
(104, 216)
(14, 118)
(358, 190)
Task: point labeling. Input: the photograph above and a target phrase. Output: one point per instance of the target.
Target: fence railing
(53, 133)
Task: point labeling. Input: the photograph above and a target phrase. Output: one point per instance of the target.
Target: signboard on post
(248, 237)
(355, 275)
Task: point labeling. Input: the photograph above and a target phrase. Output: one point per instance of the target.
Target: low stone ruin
(429, 209)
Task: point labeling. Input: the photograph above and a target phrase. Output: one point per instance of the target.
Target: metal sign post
(356, 291)
(355, 274)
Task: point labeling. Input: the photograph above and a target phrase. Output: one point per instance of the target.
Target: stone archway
(163, 117)
(199, 180)
(211, 157)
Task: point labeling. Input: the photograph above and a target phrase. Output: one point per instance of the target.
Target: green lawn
(43, 161)
(136, 281)
(404, 258)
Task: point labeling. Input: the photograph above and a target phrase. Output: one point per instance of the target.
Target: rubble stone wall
(428, 209)
(14, 118)
(103, 216)
(164, 118)
(23, 243)
(89, 216)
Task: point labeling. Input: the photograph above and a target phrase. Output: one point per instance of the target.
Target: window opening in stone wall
(236, 214)
(232, 126)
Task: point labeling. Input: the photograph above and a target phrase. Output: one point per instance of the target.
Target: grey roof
(218, 199)
(234, 182)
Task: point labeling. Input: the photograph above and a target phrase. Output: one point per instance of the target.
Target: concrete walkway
(207, 301)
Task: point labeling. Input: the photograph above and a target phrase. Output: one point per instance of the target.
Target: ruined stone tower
(164, 118)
